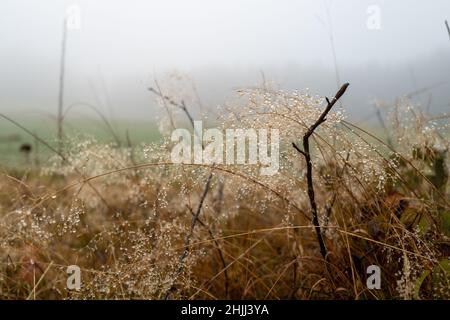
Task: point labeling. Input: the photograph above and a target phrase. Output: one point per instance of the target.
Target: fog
(122, 46)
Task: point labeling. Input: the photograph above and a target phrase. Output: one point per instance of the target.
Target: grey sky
(123, 43)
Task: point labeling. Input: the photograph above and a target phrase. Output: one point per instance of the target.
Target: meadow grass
(140, 226)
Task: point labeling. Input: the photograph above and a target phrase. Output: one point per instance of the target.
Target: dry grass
(141, 227)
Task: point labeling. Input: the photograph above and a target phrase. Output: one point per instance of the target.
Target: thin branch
(298, 149)
(187, 241)
(159, 92)
(322, 117)
(184, 108)
(448, 28)
(181, 105)
(306, 153)
(218, 247)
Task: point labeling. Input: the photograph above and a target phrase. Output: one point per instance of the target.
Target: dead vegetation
(139, 226)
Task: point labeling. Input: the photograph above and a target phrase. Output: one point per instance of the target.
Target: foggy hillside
(120, 49)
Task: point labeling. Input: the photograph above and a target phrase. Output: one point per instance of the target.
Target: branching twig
(306, 153)
(187, 241)
(183, 107)
(159, 92)
(169, 100)
(218, 247)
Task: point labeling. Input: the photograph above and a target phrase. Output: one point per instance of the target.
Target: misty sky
(122, 45)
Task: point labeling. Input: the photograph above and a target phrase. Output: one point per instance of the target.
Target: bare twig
(185, 110)
(448, 27)
(169, 100)
(195, 220)
(218, 248)
(187, 241)
(164, 99)
(306, 153)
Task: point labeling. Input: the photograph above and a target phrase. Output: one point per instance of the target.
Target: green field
(13, 137)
